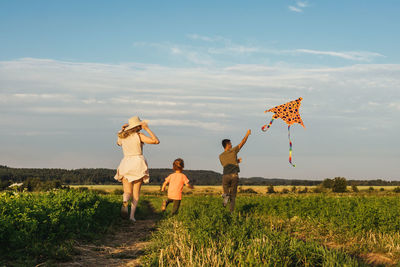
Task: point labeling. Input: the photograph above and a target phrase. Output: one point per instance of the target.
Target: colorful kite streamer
(289, 113)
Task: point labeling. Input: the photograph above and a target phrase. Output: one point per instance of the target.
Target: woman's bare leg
(126, 197)
(136, 194)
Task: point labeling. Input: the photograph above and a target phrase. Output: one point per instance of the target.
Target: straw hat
(133, 122)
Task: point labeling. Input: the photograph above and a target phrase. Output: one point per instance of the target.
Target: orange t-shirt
(176, 181)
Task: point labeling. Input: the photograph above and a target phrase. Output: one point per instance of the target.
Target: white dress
(134, 165)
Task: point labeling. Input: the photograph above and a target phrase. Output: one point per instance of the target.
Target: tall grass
(205, 234)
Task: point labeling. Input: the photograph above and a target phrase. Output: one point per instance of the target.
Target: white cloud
(195, 55)
(235, 49)
(298, 7)
(82, 105)
(205, 38)
(176, 50)
(395, 105)
(224, 51)
(129, 100)
(351, 55)
(295, 9)
(189, 123)
(57, 87)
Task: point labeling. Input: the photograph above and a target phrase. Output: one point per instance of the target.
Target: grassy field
(44, 227)
(295, 230)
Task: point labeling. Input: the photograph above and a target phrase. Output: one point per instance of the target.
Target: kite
(289, 113)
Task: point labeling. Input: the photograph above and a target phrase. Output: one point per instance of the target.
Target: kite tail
(265, 127)
(290, 148)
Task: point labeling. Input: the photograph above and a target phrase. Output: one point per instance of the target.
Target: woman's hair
(178, 165)
(125, 134)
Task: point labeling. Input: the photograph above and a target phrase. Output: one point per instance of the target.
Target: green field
(265, 230)
(299, 230)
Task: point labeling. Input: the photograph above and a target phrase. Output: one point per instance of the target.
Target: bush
(248, 191)
(327, 183)
(4, 185)
(354, 188)
(118, 192)
(339, 185)
(36, 184)
(382, 189)
(396, 189)
(293, 189)
(305, 190)
(99, 191)
(319, 189)
(285, 191)
(371, 189)
(33, 225)
(270, 189)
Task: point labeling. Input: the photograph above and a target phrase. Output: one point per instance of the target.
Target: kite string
(265, 127)
(290, 148)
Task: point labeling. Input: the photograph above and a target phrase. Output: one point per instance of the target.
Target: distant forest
(197, 177)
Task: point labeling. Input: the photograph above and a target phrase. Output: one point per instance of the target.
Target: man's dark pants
(229, 185)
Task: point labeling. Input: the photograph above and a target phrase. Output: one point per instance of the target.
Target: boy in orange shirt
(176, 182)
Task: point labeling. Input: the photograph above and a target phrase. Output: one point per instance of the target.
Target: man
(230, 175)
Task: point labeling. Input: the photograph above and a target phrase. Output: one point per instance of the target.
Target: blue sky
(71, 72)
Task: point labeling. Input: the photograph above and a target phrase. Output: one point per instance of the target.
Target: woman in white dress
(133, 169)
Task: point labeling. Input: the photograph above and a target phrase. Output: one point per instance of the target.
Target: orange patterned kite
(288, 112)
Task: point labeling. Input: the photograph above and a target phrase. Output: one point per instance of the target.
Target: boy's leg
(175, 208)
(233, 189)
(165, 204)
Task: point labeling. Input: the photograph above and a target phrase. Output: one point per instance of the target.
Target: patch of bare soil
(122, 247)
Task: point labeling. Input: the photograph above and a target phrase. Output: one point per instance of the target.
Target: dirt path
(122, 247)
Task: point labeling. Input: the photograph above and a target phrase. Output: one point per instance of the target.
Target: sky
(72, 72)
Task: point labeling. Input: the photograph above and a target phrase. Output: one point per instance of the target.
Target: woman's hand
(145, 125)
(145, 139)
(124, 126)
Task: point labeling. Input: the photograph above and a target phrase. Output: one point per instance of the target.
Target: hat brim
(135, 125)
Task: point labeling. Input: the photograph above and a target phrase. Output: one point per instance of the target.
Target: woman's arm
(148, 140)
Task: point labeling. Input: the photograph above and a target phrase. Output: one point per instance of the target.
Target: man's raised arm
(244, 139)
